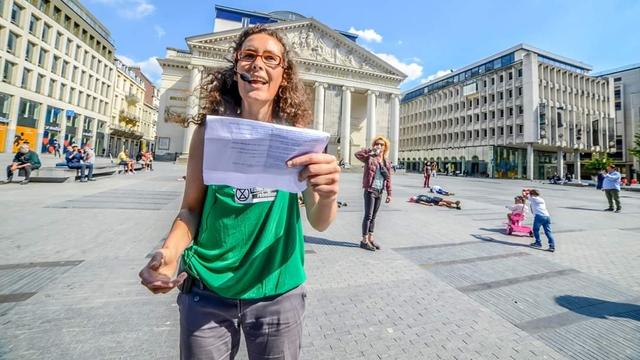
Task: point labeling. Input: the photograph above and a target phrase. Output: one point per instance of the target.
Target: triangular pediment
(311, 42)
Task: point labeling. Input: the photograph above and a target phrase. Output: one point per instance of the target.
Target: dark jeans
(83, 168)
(371, 205)
(210, 325)
(27, 172)
(545, 222)
(613, 195)
(426, 180)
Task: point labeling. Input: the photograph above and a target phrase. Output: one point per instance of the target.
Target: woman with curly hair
(376, 179)
(244, 270)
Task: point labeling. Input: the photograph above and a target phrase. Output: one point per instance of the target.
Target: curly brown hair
(219, 89)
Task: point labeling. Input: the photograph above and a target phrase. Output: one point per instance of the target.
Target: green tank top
(250, 243)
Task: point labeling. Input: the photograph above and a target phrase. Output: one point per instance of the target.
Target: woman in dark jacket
(376, 179)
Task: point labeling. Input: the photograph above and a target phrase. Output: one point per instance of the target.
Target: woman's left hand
(322, 173)
(387, 200)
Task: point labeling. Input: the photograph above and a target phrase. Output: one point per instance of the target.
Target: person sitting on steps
(25, 160)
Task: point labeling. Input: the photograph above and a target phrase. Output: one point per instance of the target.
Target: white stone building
(57, 68)
(352, 91)
(521, 113)
(626, 96)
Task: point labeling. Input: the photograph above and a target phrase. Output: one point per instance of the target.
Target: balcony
(126, 132)
(128, 118)
(131, 99)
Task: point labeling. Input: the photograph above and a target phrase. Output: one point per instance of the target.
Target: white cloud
(400, 42)
(413, 70)
(438, 74)
(150, 67)
(130, 9)
(160, 31)
(369, 35)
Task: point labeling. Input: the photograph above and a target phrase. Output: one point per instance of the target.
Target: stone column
(345, 130)
(94, 134)
(576, 162)
(42, 117)
(13, 122)
(371, 116)
(530, 161)
(395, 127)
(79, 128)
(318, 110)
(560, 164)
(192, 107)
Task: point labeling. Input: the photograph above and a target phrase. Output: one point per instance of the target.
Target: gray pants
(210, 325)
(613, 195)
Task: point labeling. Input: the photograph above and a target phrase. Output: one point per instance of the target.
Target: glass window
(12, 43)
(481, 69)
(5, 105)
(46, 29)
(33, 24)
(28, 112)
(52, 88)
(58, 39)
(26, 77)
(7, 74)
(474, 72)
(16, 12)
(42, 58)
(54, 64)
(496, 64)
(63, 89)
(488, 66)
(28, 54)
(39, 84)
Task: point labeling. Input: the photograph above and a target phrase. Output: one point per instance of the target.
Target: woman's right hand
(157, 274)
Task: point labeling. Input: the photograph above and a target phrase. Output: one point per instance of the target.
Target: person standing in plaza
(426, 172)
(541, 218)
(611, 187)
(244, 270)
(375, 180)
(89, 158)
(25, 160)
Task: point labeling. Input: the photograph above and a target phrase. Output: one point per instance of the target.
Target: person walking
(375, 180)
(541, 218)
(611, 187)
(426, 172)
(243, 272)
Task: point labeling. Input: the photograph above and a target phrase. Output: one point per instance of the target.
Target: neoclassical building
(351, 90)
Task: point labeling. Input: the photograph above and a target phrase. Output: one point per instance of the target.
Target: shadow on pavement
(579, 208)
(322, 241)
(499, 230)
(598, 308)
(502, 242)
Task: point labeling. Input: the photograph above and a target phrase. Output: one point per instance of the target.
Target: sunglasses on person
(378, 144)
(268, 58)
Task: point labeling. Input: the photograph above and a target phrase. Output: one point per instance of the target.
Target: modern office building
(354, 94)
(57, 69)
(521, 113)
(626, 96)
(126, 114)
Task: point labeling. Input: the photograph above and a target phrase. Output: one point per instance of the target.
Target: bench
(121, 169)
(61, 173)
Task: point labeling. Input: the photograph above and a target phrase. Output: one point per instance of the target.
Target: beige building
(149, 118)
(126, 126)
(354, 94)
(521, 113)
(57, 69)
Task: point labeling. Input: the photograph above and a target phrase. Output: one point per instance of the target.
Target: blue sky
(422, 38)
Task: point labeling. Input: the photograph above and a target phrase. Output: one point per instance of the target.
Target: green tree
(635, 151)
(598, 161)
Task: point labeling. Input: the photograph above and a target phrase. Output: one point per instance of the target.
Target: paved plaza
(448, 284)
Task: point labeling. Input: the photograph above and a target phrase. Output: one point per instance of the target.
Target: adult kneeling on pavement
(26, 160)
(75, 161)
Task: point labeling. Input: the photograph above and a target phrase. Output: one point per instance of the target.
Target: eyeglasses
(268, 58)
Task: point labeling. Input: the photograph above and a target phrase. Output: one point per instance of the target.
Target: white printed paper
(253, 154)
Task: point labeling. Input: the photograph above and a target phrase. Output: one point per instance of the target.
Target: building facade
(626, 96)
(57, 69)
(521, 113)
(125, 128)
(149, 117)
(354, 94)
